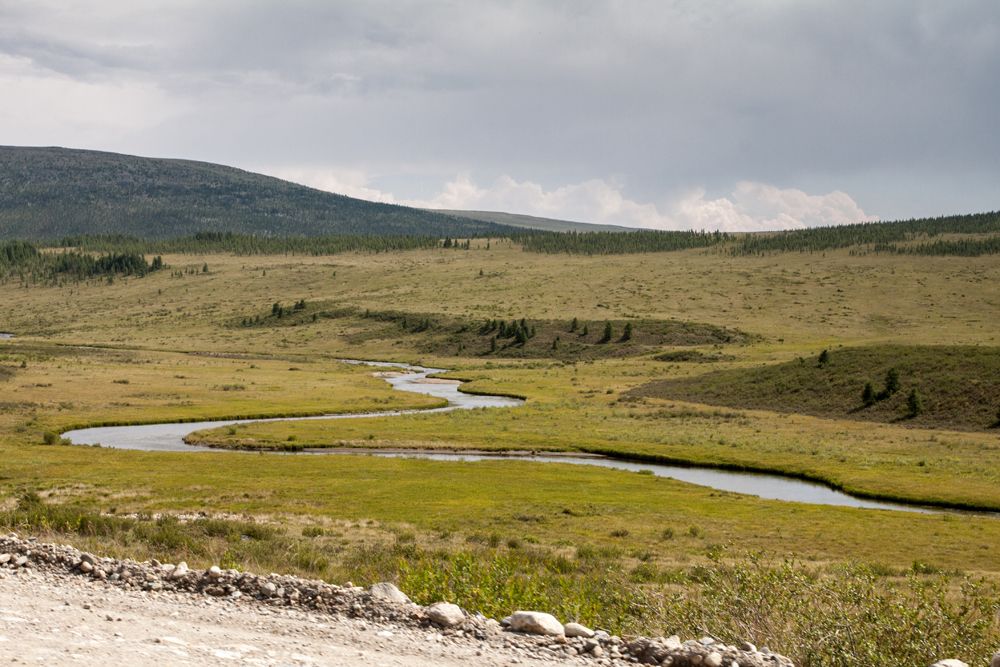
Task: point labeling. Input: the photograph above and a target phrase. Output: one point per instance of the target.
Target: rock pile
(531, 633)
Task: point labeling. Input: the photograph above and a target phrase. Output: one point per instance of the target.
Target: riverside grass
(731, 596)
(98, 353)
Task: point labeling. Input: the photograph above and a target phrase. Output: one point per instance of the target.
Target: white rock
(388, 593)
(950, 662)
(577, 630)
(86, 567)
(536, 623)
(179, 570)
(445, 614)
(215, 572)
(267, 588)
(713, 659)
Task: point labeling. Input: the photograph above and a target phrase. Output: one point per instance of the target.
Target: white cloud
(759, 206)
(42, 108)
(350, 182)
(749, 207)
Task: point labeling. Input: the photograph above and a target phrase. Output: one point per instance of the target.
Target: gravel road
(54, 619)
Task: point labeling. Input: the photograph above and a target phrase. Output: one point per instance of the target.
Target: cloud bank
(757, 113)
(749, 207)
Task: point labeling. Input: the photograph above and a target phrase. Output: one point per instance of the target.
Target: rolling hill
(55, 192)
(533, 222)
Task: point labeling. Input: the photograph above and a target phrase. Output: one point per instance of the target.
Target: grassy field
(175, 345)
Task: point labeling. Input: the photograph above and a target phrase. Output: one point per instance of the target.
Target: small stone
(535, 623)
(21, 561)
(747, 646)
(214, 572)
(388, 593)
(713, 659)
(267, 588)
(445, 614)
(950, 662)
(995, 662)
(86, 567)
(597, 651)
(577, 630)
(4, 559)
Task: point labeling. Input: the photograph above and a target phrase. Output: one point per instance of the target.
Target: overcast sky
(683, 114)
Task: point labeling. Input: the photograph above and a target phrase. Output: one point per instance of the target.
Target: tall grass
(835, 616)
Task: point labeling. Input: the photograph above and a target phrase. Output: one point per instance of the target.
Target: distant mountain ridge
(53, 192)
(534, 222)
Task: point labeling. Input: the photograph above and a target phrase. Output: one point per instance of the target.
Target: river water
(170, 438)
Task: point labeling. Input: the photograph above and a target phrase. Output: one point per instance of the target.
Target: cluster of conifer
(248, 244)
(615, 243)
(24, 259)
(881, 236)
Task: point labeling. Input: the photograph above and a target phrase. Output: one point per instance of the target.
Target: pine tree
(914, 403)
(574, 324)
(868, 394)
(608, 333)
(555, 343)
(628, 332)
(824, 357)
(891, 382)
(493, 344)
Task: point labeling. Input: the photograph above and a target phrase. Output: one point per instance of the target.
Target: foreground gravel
(61, 606)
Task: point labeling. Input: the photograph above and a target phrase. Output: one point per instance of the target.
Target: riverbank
(418, 379)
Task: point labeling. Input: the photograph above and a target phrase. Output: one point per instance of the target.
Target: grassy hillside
(54, 192)
(958, 386)
(572, 339)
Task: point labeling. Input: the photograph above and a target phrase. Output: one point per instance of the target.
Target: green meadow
(721, 367)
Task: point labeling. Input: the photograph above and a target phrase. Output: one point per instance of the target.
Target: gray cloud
(892, 103)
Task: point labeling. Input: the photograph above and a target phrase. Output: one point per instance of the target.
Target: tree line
(248, 244)
(615, 243)
(26, 261)
(879, 235)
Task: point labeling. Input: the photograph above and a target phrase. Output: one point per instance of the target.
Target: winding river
(169, 437)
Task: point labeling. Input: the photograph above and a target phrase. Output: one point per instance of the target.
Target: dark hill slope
(959, 386)
(53, 192)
